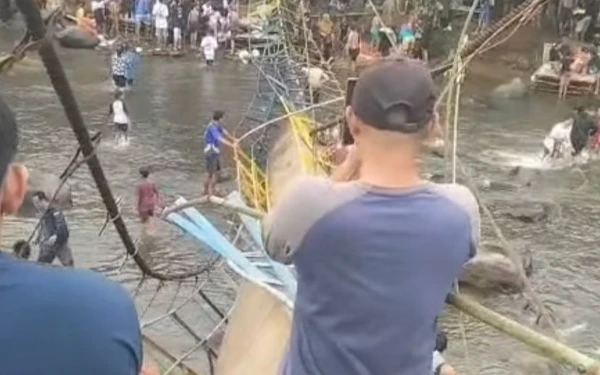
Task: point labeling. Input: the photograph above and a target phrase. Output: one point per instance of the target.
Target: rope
(457, 67)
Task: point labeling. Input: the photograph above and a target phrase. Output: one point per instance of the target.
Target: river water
(172, 101)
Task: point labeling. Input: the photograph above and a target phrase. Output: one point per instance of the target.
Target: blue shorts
(213, 162)
(142, 18)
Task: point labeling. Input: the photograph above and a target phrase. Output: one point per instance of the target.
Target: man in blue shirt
(375, 258)
(58, 321)
(214, 136)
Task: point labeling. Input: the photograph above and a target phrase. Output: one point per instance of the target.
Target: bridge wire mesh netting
(284, 99)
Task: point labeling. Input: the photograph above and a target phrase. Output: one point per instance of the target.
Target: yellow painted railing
(252, 182)
(313, 160)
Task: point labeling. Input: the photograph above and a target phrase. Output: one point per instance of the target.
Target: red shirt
(147, 196)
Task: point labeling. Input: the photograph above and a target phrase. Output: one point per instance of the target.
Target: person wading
(209, 45)
(53, 236)
(403, 259)
(58, 321)
(119, 68)
(147, 200)
(214, 136)
(584, 127)
(160, 12)
(119, 112)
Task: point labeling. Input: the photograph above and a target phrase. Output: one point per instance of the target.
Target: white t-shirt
(209, 45)
(160, 12)
(118, 110)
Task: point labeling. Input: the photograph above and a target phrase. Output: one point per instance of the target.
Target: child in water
(120, 115)
(147, 199)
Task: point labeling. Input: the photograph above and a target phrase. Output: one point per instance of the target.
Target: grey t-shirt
(374, 267)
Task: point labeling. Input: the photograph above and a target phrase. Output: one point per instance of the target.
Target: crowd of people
(407, 38)
(175, 23)
(577, 19)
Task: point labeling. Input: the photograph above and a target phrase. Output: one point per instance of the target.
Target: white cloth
(316, 77)
(119, 115)
(559, 138)
(437, 360)
(97, 5)
(160, 12)
(209, 45)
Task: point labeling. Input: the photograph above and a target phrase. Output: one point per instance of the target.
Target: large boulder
(514, 89)
(47, 183)
(491, 269)
(76, 37)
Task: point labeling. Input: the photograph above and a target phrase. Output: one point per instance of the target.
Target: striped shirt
(118, 65)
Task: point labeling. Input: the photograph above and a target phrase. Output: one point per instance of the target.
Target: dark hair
(145, 171)
(9, 139)
(217, 115)
(22, 249)
(441, 342)
(40, 195)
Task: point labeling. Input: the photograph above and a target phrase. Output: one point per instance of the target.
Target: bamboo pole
(547, 346)
(215, 201)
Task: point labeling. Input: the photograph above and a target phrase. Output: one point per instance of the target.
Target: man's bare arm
(289, 219)
(349, 169)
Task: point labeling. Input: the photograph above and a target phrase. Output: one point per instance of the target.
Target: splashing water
(533, 160)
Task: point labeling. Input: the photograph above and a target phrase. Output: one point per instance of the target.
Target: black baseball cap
(396, 94)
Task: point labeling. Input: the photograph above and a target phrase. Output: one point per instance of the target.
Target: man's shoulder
(78, 287)
(307, 186)
(458, 194)
(316, 196)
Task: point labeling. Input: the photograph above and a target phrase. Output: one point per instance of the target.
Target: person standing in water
(53, 235)
(353, 46)
(584, 127)
(209, 45)
(178, 24)
(132, 62)
(214, 135)
(119, 68)
(147, 199)
(193, 25)
(120, 115)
